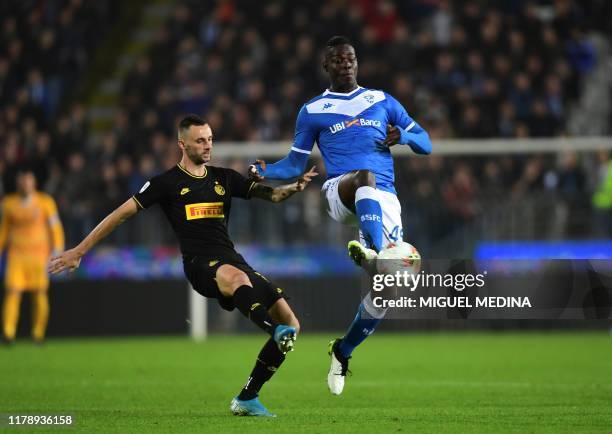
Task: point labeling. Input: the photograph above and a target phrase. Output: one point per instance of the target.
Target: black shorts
(201, 272)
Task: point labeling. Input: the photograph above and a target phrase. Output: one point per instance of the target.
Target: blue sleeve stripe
(409, 127)
(301, 151)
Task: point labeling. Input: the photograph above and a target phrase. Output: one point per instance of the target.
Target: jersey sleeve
(305, 134)
(411, 132)
(50, 208)
(295, 162)
(239, 186)
(55, 225)
(4, 225)
(151, 193)
(398, 116)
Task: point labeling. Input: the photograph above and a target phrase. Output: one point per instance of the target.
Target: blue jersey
(349, 129)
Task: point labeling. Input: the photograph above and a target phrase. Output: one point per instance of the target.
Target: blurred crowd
(46, 48)
(463, 69)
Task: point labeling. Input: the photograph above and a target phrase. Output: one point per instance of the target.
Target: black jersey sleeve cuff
(248, 195)
(138, 203)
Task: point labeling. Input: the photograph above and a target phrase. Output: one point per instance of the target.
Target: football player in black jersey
(196, 199)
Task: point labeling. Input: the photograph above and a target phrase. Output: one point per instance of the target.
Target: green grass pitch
(431, 383)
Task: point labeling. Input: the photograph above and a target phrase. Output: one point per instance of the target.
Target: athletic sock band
(250, 302)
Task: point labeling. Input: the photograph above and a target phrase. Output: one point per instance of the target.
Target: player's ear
(181, 144)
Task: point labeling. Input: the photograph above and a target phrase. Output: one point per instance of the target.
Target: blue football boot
(252, 407)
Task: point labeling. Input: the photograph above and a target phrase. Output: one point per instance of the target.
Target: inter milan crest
(219, 189)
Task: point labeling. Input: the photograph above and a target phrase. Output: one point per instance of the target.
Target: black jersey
(198, 207)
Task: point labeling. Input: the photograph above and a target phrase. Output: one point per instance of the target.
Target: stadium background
(90, 93)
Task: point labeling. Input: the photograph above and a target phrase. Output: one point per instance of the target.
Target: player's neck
(191, 167)
(343, 88)
(25, 196)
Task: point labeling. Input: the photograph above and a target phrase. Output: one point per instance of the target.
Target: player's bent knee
(349, 184)
(364, 178)
(230, 278)
(282, 313)
(296, 324)
(293, 322)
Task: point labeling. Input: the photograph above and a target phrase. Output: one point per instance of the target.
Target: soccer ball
(399, 256)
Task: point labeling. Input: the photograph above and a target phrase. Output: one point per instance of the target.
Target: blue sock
(362, 326)
(369, 212)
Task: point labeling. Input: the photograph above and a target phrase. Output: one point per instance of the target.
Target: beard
(195, 157)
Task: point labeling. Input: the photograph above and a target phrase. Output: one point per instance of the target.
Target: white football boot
(338, 369)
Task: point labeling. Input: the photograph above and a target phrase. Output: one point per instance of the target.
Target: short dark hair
(24, 167)
(190, 120)
(334, 41)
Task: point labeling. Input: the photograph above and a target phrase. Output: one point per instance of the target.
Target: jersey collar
(191, 174)
(329, 92)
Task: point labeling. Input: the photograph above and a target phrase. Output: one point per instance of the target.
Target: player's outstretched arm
(282, 192)
(296, 160)
(289, 167)
(71, 259)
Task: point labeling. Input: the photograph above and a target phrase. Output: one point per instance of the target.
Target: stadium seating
(463, 71)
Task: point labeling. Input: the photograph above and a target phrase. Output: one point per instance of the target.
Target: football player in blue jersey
(354, 128)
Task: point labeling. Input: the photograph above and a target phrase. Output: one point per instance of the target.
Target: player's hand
(68, 260)
(393, 136)
(254, 174)
(305, 179)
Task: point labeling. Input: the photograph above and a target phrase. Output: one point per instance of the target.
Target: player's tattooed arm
(282, 192)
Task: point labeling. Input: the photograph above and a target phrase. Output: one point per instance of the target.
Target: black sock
(268, 361)
(251, 305)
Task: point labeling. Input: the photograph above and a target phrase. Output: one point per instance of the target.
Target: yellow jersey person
(31, 231)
